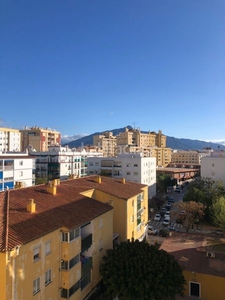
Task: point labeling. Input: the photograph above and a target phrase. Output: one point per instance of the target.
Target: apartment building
(38, 138)
(62, 162)
(162, 155)
(133, 167)
(55, 235)
(213, 166)
(188, 158)
(202, 260)
(137, 138)
(16, 169)
(9, 140)
(106, 142)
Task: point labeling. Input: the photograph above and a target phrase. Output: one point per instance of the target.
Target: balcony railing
(86, 242)
(86, 265)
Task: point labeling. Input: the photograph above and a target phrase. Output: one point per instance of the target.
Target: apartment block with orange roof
(53, 237)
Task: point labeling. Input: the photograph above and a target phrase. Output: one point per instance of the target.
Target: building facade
(188, 158)
(62, 162)
(39, 139)
(9, 140)
(132, 166)
(16, 169)
(213, 166)
(55, 235)
(106, 142)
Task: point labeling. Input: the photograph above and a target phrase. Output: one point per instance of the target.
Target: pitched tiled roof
(190, 252)
(67, 208)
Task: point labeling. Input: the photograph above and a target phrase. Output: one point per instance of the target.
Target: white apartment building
(131, 166)
(10, 140)
(213, 166)
(61, 162)
(16, 170)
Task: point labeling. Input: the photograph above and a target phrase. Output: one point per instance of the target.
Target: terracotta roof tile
(190, 252)
(67, 208)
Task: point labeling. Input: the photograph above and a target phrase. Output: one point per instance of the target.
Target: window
(47, 248)
(128, 173)
(74, 261)
(132, 218)
(74, 288)
(85, 280)
(91, 164)
(128, 165)
(21, 173)
(194, 289)
(212, 165)
(36, 286)
(21, 163)
(65, 236)
(100, 245)
(135, 165)
(135, 173)
(36, 256)
(48, 276)
(74, 234)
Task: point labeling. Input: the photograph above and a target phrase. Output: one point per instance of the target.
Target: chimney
(123, 180)
(31, 206)
(98, 179)
(52, 187)
(19, 185)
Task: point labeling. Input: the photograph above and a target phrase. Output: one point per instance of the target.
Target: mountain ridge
(171, 142)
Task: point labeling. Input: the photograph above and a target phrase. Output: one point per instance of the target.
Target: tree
(135, 270)
(204, 190)
(164, 180)
(218, 212)
(192, 213)
(157, 201)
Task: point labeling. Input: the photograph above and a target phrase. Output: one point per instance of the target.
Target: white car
(157, 217)
(151, 230)
(167, 214)
(166, 221)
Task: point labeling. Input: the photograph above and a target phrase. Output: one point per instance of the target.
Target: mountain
(171, 142)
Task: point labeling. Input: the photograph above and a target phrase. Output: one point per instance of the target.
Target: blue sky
(82, 66)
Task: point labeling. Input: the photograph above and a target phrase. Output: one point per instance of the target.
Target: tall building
(106, 142)
(16, 170)
(133, 167)
(38, 138)
(61, 162)
(137, 138)
(9, 140)
(55, 235)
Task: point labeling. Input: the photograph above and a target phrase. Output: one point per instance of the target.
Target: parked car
(152, 230)
(164, 232)
(219, 232)
(171, 199)
(163, 211)
(167, 214)
(171, 228)
(166, 221)
(157, 217)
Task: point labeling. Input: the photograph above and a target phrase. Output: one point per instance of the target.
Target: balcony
(86, 242)
(86, 265)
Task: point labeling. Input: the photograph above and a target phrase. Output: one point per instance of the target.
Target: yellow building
(106, 142)
(137, 138)
(130, 206)
(54, 236)
(187, 157)
(202, 258)
(39, 138)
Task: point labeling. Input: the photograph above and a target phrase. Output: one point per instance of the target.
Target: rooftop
(190, 250)
(68, 208)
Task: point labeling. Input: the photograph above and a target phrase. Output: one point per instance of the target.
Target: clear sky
(81, 66)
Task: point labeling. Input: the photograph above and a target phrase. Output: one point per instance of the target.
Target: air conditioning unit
(210, 254)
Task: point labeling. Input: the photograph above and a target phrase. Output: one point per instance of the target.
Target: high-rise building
(38, 138)
(9, 140)
(106, 142)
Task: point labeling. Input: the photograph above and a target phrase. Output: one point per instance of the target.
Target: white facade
(132, 166)
(61, 162)
(213, 166)
(9, 140)
(16, 168)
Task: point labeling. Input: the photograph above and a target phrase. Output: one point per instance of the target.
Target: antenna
(134, 124)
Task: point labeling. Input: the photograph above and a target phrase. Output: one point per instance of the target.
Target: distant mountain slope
(171, 142)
